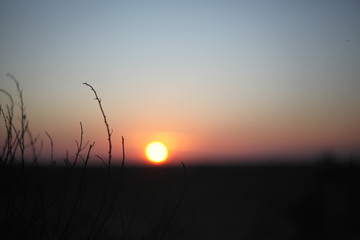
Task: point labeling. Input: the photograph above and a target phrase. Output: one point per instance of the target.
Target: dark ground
(234, 202)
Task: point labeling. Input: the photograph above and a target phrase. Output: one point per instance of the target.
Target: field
(233, 202)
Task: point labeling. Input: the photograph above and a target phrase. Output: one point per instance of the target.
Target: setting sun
(156, 152)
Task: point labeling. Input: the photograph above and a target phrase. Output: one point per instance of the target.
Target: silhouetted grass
(69, 201)
(72, 200)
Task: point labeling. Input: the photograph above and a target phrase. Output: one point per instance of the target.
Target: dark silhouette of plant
(35, 203)
(52, 161)
(109, 133)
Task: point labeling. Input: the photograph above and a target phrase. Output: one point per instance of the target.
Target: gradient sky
(208, 78)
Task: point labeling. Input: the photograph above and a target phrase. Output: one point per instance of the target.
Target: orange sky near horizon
(186, 138)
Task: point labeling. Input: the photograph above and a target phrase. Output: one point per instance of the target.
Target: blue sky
(254, 77)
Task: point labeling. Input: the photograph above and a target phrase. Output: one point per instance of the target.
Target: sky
(211, 79)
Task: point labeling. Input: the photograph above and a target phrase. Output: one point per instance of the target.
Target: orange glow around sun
(156, 152)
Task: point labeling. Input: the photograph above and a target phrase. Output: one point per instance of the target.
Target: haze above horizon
(206, 78)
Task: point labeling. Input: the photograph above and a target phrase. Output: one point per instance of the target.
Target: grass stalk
(23, 121)
(76, 206)
(8, 119)
(79, 145)
(51, 149)
(109, 133)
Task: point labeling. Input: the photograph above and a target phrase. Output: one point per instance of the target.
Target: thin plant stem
(109, 133)
(52, 150)
(8, 124)
(33, 142)
(75, 207)
(115, 194)
(123, 152)
(79, 145)
(23, 121)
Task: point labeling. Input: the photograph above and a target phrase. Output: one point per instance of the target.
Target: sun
(156, 152)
